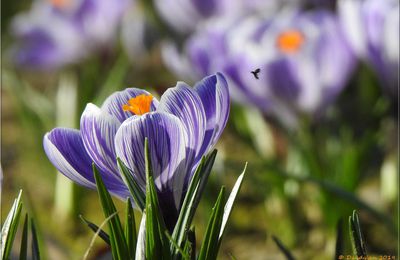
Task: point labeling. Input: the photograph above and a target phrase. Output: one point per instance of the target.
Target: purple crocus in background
(182, 127)
(303, 57)
(372, 27)
(184, 15)
(59, 32)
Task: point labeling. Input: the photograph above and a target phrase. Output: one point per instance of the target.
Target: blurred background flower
(372, 26)
(303, 58)
(56, 33)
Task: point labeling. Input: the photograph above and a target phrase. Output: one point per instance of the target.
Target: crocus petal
(65, 149)
(183, 102)
(113, 104)
(283, 79)
(214, 95)
(166, 138)
(98, 129)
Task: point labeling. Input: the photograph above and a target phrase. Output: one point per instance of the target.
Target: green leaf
(190, 245)
(141, 239)
(35, 242)
(10, 227)
(356, 236)
(23, 252)
(137, 194)
(192, 199)
(130, 228)
(102, 234)
(96, 234)
(172, 242)
(157, 244)
(117, 240)
(229, 203)
(210, 246)
(283, 249)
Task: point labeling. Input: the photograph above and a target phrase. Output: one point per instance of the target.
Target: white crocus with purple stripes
(303, 57)
(182, 127)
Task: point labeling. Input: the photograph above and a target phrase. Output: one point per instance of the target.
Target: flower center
(290, 41)
(138, 105)
(60, 3)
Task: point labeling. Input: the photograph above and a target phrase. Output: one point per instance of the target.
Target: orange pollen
(139, 105)
(60, 3)
(290, 41)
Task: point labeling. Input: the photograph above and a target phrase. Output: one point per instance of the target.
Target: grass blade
(141, 239)
(135, 190)
(172, 242)
(23, 252)
(190, 246)
(157, 246)
(130, 228)
(283, 249)
(356, 236)
(192, 199)
(10, 227)
(102, 234)
(35, 242)
(229, 203)
(117, 239)
(210, 246)
(85, 256)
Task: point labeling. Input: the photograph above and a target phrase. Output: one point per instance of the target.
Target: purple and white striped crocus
(182, 127)
(184, 15)
(372, 27)
(54, 33)
(303, 57)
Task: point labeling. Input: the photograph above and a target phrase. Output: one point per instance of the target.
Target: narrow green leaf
(117, 240)
(102, 234)
(209, 248)
(229, 204)
(157, 246)
(339, 239)
(35, 242)
(190, 244)
(192, 199)
(137, 194)
(96, 234)
(10, 227)
(283, 249)
(130, 228)
(356, 236)
(183, 253)
(23, 252)
(141, 239)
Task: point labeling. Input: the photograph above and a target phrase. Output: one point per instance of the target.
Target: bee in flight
(255, 73)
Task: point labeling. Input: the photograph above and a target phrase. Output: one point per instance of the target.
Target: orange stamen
(139, 105)
(290, 41)
(60, 3)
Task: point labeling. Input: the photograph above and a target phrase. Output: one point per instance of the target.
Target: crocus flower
(184, 15)
(303, 57)
(372, 27)
(58, 32)
(182, 127)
